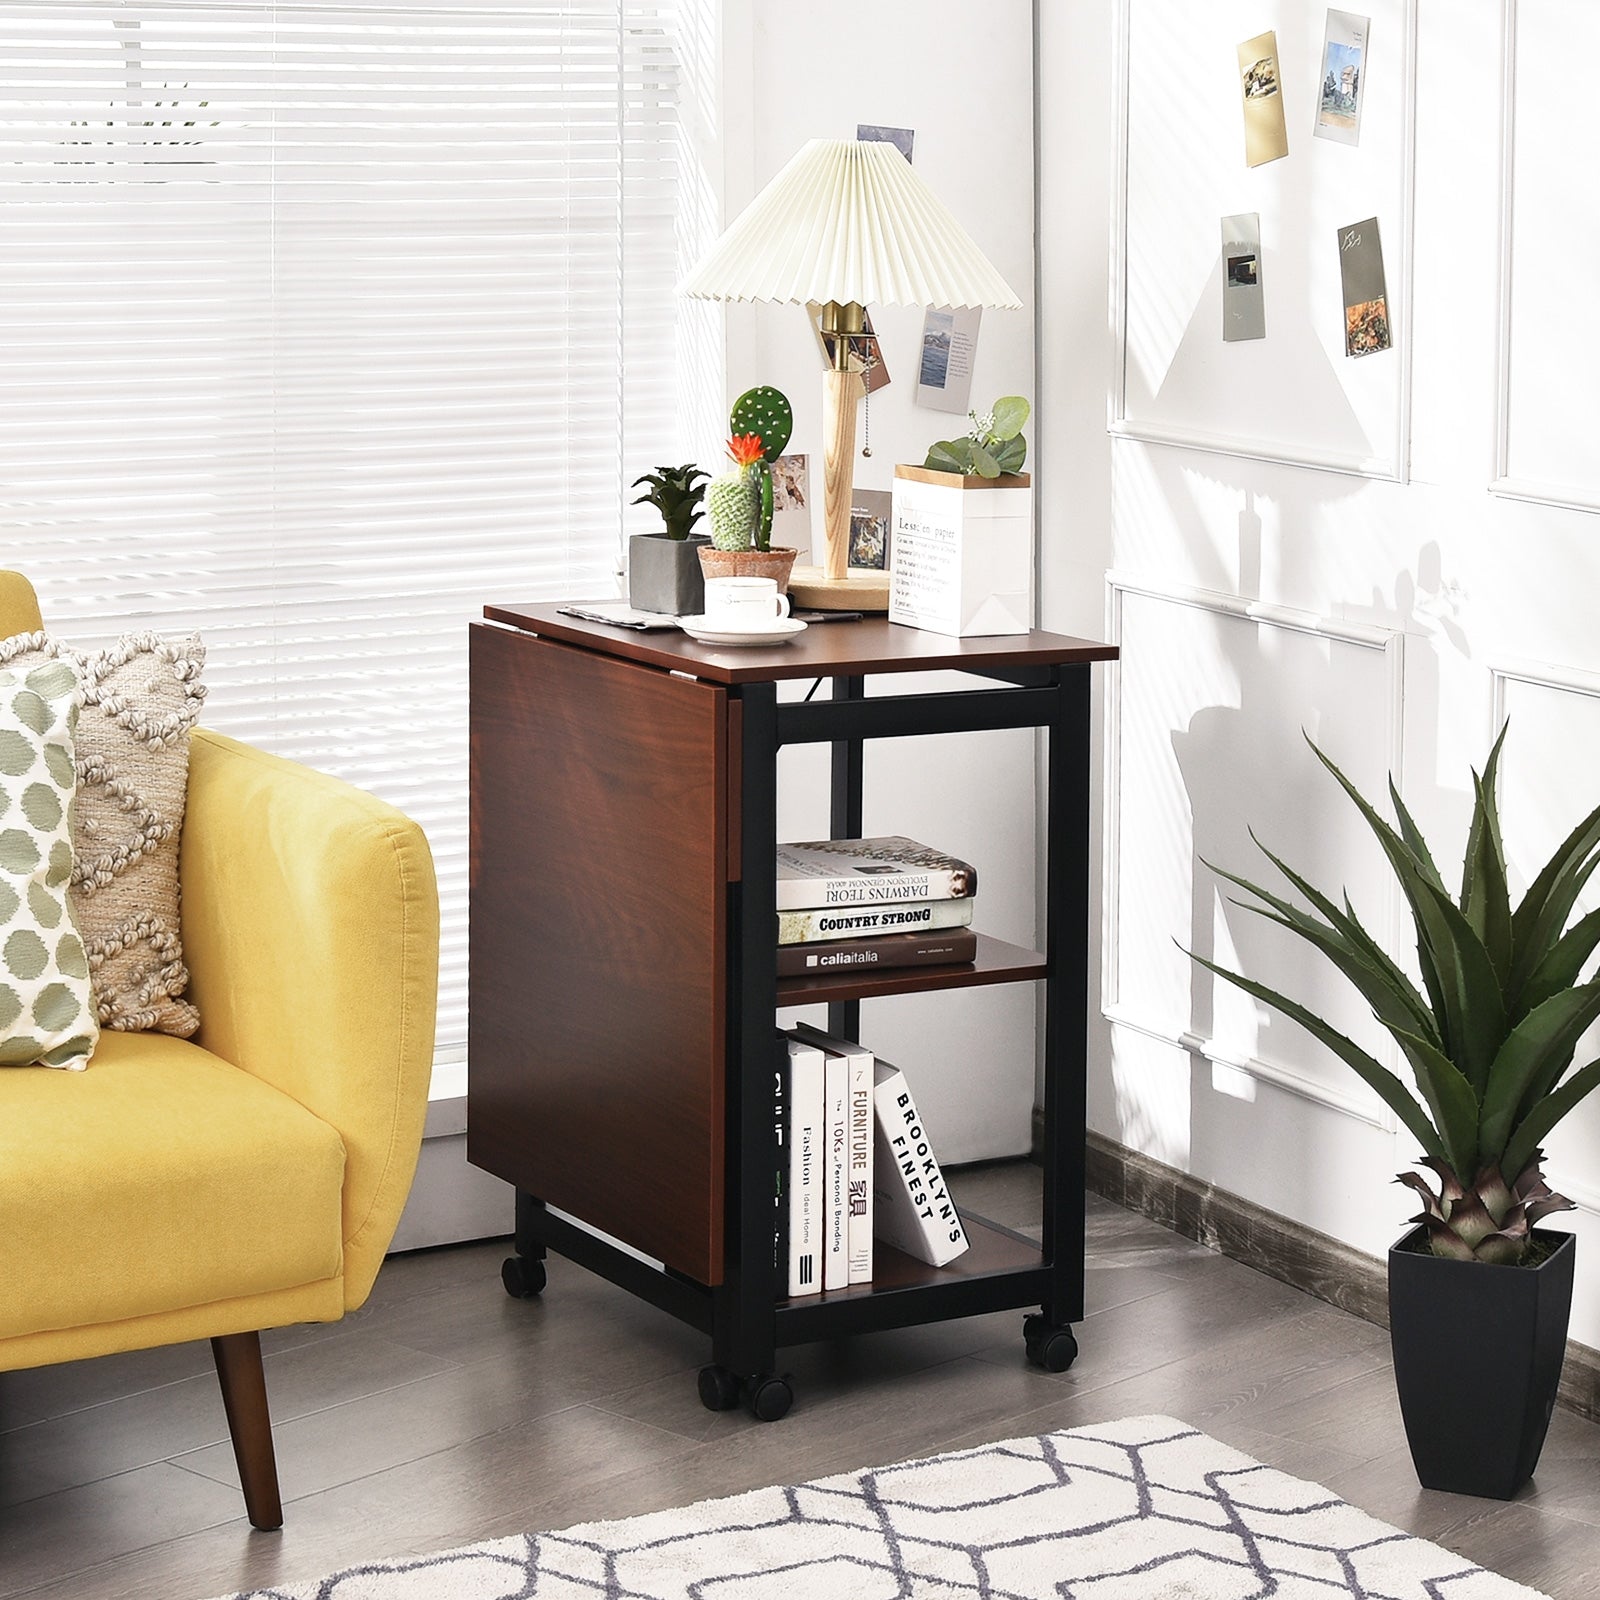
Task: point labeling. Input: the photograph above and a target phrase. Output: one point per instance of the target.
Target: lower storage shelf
(1000, 1270)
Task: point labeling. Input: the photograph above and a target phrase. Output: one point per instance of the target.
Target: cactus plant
(734, 499)
(677, 493)
(764, 413)
(993, 445)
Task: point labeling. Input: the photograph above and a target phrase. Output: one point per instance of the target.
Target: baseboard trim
(1283, 1249)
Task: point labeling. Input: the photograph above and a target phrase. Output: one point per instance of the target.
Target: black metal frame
(748, 1315)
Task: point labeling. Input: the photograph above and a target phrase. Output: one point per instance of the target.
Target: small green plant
(1489, 1041)
(993, 445)
(677, 493)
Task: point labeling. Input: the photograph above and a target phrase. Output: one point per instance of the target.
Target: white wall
(792, 73)
(1393, 612)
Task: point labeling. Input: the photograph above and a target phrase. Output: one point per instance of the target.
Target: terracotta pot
(774, 563)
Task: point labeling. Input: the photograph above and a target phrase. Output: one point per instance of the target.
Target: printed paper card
(949, 341)
(1266, 136)
(1244, 313)
(871, 528)
(1344, 65)
(1366, 296)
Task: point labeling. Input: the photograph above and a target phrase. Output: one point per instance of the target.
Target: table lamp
(846, 224)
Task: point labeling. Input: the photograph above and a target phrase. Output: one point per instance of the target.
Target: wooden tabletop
(825, 649)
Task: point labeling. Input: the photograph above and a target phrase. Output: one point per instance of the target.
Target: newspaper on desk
(619, 614)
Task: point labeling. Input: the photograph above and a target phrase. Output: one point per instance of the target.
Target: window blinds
(321, 325)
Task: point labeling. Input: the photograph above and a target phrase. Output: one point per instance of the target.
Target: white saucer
(782, 629)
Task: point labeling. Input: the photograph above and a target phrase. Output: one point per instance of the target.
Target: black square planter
(664, 574)
(1477, 1358)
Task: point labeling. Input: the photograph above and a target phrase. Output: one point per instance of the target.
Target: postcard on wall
(949, 340)
(865, 354)
(1366, 297)
(1344, 65)
(791, 501)
(871, 528)
(901, 138)
(1266, 135)
(1244, 310)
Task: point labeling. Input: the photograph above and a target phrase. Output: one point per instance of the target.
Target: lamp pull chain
(866, 402)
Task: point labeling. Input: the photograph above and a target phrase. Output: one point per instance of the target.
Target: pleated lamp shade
(849, 220)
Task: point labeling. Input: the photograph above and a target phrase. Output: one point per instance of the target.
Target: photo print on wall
(1344, 65)
(876, 132)
(1244, 313)
(1366, 295)
(1266, 134)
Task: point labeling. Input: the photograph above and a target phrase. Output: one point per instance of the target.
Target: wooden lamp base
(860, 589)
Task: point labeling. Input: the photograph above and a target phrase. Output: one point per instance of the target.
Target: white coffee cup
(744, 605)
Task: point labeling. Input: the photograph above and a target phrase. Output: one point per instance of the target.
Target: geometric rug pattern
(1143, 1509)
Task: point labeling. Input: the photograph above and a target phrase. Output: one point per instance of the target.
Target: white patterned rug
(1144, 1509)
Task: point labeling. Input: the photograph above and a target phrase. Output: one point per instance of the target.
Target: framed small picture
(871, 528)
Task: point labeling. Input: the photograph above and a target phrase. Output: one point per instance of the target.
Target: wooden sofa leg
(244, 1398)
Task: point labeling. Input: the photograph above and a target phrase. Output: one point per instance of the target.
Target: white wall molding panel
(1549, 316)
(1295, 396)
(1202, 746)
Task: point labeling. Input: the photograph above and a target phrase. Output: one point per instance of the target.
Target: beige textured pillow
(140, 699)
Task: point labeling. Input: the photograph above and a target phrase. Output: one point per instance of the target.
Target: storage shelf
(999, 1269)
(997, 962)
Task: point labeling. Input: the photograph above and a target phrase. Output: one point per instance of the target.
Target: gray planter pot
(664, 574)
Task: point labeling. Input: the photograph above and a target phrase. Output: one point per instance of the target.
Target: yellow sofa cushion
(160, 1178)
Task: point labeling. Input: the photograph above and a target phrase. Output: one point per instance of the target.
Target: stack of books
(886, 902)
(856, 1164)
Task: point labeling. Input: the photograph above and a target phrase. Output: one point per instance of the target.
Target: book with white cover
(915, 1212)
(835, 1169)
(860, 872)
(853, 922)
(858, 1145)
(805, 1167)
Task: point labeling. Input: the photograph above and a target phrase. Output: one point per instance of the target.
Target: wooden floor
(445, 1412)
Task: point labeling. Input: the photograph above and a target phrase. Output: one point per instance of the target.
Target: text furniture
(624, 997)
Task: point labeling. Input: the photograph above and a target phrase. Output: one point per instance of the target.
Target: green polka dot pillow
(46, 1015)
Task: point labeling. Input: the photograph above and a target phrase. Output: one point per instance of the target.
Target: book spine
(807, 927)
(836, 1212)
(780, 1176)
(883, 952)
(805, 1169)
(858, 1184)
(916, 1213)
(804, 894)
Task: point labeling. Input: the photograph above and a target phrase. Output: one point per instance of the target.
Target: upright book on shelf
(858, 1062)
(915, 1212)
(805, 1167)
(860, 872)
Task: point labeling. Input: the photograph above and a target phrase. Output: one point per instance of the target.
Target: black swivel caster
(523, 1276)
(767, 1398)
(1054, 1349)
(720, 1389)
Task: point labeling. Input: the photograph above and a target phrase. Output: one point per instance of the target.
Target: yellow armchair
(252, 1177)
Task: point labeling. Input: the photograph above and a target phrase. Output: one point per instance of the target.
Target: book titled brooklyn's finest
(805, 1168)
(914, 1210)
(869, 872)
(857, 922)
(940, 948)
(856, 1173)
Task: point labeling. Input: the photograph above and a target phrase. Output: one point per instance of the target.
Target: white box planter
(962, 558)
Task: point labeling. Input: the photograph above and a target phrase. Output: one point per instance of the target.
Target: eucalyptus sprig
(993, 445)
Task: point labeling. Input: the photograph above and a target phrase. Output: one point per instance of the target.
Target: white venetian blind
(321, 325)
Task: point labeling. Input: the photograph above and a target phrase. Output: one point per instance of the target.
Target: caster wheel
(767, 1398)
(1054, 1349)
(719, 1389)
(523, 1276)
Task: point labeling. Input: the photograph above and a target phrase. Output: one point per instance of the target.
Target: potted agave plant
(740, 501)
(962, 558)
(664, 568)
(1479, 1295)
